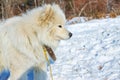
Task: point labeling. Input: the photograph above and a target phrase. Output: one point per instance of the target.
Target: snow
(93, 52)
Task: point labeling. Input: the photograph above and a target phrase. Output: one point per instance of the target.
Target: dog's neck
(50, 52)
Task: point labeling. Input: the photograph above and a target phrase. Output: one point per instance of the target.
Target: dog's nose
(70, 34)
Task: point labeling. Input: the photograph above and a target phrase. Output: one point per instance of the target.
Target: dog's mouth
(50, 52)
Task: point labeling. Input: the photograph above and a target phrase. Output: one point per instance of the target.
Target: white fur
(22, 39)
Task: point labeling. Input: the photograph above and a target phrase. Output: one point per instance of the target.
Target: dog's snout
(70, 34)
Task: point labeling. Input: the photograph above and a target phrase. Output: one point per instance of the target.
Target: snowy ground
(93, 53)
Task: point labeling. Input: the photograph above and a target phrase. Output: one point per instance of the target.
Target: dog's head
(53, 20)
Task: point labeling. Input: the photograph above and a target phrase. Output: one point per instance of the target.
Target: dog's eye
(60, 26)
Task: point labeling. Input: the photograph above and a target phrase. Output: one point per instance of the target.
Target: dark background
(72, 8)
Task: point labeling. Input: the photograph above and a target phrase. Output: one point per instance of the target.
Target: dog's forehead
(63, 19)
(60, 20)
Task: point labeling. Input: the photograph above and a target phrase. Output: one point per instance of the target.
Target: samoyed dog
(22, 39)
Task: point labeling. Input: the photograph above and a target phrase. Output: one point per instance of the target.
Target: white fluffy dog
(22, 39)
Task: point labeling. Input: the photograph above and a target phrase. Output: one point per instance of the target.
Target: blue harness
(4, 75)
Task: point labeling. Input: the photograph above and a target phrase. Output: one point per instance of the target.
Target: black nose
(70, 34)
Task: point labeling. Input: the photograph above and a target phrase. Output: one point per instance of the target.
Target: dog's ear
(47, 14)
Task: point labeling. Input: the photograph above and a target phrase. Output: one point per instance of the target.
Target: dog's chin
(62, 38)
(53, 44)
